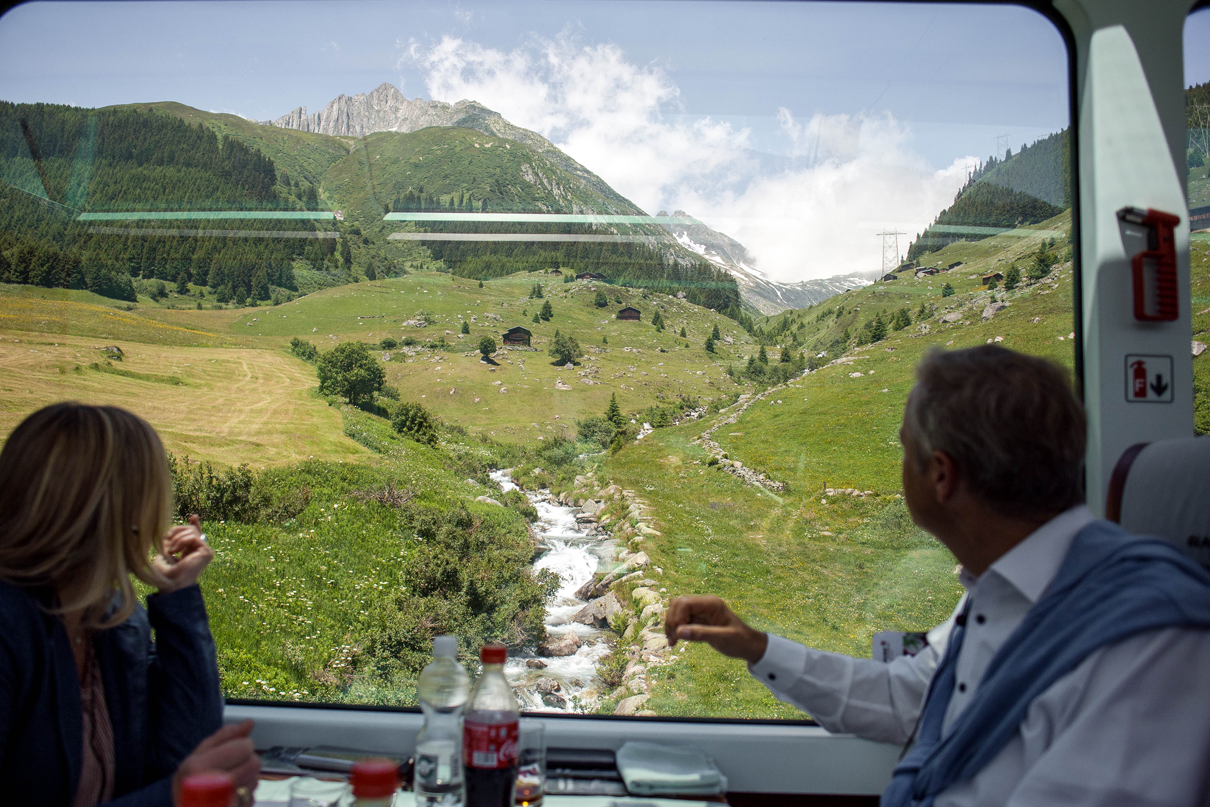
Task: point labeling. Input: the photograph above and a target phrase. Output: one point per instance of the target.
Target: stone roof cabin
(590, 276)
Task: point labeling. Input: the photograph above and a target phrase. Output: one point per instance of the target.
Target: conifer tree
(466, 327)
(547, 311)
(683, 334)
(1012, 278)
(182, 283)
(763, 358)
(715, 334)
(613, 413)
(947, 290)
(785, 356)
(709, 344)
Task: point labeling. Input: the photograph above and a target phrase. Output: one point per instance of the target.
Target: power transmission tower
(1001, 146)
(890, 251)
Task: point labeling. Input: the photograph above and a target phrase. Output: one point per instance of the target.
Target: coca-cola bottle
(489, 734)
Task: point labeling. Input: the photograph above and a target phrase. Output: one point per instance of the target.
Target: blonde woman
(91, 709)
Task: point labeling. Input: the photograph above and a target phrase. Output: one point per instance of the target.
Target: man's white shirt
(1130, 725)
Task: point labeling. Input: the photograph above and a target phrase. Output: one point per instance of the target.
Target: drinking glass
(308, 792)
(531, 763)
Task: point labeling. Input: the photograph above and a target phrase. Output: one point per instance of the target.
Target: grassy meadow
(327, 586)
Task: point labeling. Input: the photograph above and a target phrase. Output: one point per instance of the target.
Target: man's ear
(943, 476)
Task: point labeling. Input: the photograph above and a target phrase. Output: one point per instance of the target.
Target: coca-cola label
(489, 745)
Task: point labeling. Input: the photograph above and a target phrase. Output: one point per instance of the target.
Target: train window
(1197, 123)
(514, 322)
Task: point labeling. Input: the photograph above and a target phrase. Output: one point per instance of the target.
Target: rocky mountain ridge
(767, 296)
(385, 109)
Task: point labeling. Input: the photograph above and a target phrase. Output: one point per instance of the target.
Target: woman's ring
(244, 796)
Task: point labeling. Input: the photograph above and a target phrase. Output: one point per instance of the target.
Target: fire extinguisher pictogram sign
(1148, 379)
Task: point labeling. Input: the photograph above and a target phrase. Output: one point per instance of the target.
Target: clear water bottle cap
(445, 646)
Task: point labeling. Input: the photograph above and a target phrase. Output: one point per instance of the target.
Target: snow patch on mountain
(766, 296)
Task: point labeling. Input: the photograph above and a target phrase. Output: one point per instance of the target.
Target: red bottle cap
(375, 779)
(493, 654)
(213, 789)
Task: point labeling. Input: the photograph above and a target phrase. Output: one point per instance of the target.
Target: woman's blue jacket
(163, 697)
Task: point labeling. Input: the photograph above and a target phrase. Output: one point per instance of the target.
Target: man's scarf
(1111, 586)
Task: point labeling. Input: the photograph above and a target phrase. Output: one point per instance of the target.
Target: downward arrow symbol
(1158, 386)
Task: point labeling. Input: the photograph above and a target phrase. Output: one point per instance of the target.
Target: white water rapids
(574, 552)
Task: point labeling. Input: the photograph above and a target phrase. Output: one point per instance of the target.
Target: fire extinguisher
(1140, 378)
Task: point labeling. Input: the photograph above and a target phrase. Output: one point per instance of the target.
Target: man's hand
(184, 555)
(228, 750)
(708, 619)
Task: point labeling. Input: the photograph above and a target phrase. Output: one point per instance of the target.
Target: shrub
(304, 350)
(600, 301)
(414, 422)
(596, 430)
(518, 501)
(487, 346)
(350, 371)
(947, 290)
(222, 495)
(466, 328)
(388, 343)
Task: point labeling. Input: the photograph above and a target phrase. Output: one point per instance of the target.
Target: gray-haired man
(1073, 670)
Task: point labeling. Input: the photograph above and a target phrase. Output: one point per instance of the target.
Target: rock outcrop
(387, 110)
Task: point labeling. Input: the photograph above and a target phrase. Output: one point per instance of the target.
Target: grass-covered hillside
(346, 545)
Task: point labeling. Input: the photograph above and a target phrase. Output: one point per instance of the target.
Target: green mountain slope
(482, 164)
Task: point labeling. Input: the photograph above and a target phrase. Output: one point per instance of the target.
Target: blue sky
(883, 107)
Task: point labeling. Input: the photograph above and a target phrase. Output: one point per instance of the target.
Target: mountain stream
(574, 551)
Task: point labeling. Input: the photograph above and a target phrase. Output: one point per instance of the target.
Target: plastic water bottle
(489, 738)
(442, 690)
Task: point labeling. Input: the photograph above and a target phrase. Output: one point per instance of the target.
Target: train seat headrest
(1163, 489)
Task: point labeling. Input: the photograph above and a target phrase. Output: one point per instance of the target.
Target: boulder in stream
(566, 646)
(536, 664)
(554, 701)
(547, 685)
(599, 613)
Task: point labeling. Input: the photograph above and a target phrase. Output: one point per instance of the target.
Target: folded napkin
(650, 769)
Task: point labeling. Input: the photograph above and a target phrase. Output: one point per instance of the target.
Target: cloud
(856, 176)
(813, 214)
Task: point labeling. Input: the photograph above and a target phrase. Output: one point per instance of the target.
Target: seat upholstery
(1163, 489)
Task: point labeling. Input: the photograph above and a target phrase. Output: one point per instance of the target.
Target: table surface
(276, 793)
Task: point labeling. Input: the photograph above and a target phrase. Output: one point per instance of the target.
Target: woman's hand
(228, 750)
(183, 557)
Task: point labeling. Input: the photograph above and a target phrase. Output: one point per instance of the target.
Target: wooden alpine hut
(996, 276)
(517, 336)
(629, 313)
(590, 276)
